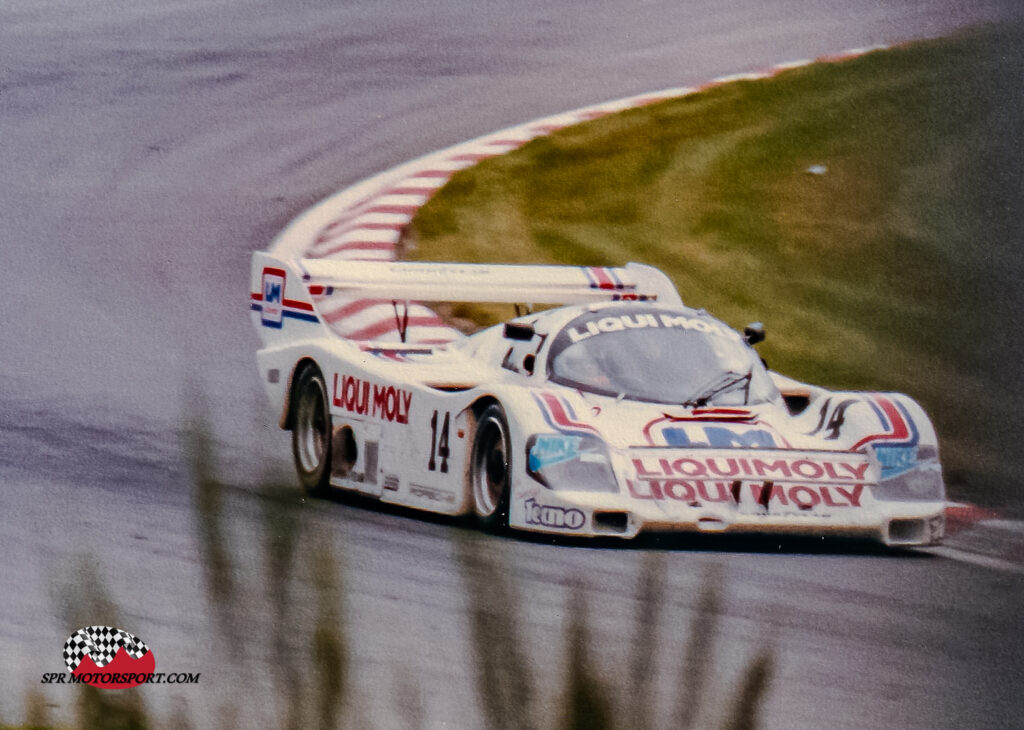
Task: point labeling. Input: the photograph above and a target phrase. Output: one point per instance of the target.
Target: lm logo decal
(717, 437)
(273, 297)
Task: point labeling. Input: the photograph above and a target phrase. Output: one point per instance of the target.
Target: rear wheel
(311, 430)
(491, 468)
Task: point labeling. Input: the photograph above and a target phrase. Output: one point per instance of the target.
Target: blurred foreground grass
(301, 615)
(869, 212)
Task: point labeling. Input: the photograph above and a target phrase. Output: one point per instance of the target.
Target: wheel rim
(490, 467)
(312, 428)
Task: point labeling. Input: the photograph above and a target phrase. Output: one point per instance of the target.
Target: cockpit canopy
(656, 354)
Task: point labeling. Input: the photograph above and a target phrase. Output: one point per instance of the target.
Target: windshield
(646, 353)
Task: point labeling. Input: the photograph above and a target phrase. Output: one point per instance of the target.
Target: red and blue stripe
(559, 414)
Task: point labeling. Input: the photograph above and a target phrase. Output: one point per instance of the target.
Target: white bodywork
(807, 461)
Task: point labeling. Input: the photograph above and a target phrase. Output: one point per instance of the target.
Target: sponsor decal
(829, 470)
(272, 305)
(642, 320)
(107, 657)
(365, 398)
(797, 481)
(273, 297)
(697, 491)
(717, 436)
(896, 460)
(566, 518)
(431, 494)
(550, 449)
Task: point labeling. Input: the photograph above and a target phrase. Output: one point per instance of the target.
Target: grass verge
(868, 212)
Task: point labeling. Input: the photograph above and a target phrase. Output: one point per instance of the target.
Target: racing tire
(491, 469)
(311, 430)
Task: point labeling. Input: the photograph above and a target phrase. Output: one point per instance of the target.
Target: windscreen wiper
(725, 383)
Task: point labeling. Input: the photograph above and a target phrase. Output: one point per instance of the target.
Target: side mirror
(519, 332)
(754, 333)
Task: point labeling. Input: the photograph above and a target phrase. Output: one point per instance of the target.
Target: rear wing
(508, 283)
(291, 299)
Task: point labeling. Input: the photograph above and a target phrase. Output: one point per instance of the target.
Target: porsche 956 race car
(617, 412)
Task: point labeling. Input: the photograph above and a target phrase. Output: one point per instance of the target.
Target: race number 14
(439, 447)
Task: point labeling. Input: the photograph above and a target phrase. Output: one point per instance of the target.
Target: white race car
(618, 412)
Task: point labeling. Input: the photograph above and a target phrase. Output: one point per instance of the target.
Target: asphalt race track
(147, 149)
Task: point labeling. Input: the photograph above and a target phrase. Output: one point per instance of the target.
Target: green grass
(896, 269)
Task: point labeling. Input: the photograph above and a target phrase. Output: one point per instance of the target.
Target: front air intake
(907, 532)
(615, 522)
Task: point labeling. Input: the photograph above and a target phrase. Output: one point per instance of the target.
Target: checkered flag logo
(101, 643)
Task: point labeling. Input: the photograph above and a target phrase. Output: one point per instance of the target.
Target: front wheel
(491, 468)
(311, 430)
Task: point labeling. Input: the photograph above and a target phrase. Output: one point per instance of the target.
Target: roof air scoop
(518, 332)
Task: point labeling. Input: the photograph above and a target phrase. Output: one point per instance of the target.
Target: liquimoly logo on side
(109, 658)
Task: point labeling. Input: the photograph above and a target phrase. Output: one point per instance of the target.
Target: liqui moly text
(365, 398)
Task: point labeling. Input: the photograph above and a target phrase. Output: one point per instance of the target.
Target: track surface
(147, 150)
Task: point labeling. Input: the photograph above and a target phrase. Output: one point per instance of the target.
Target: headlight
(895, 460)
(922, 483)
(577, 463)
